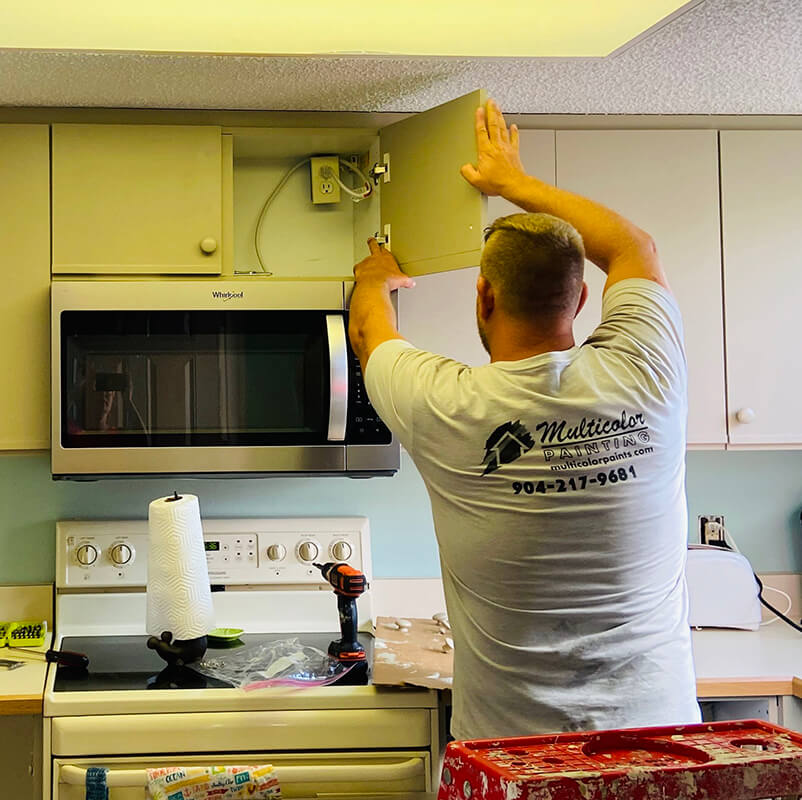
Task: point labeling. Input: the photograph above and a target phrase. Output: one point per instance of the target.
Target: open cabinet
(431, 218)
(132, 199)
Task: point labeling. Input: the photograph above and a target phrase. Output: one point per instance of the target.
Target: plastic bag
(282, 662)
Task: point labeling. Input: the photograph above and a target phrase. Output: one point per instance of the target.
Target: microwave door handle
(338, 377)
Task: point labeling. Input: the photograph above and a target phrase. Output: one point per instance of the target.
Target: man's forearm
(372, 319)
(606, 234)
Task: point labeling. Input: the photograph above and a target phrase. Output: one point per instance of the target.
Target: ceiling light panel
(501, 28)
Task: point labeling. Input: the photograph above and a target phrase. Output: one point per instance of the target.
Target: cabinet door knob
(208, 245)
(745, 415)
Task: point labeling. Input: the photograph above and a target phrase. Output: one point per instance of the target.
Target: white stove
(129, 711)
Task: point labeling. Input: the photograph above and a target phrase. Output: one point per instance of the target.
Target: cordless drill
(348, 583)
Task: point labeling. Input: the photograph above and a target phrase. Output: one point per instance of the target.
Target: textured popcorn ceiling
(721, 57)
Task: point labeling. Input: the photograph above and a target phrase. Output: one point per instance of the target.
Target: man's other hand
(498, 164)
(381, 269)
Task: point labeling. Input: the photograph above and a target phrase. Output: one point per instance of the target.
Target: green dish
(225, 634)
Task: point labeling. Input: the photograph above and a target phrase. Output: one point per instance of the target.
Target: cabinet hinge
(382, 170)
(383, 239)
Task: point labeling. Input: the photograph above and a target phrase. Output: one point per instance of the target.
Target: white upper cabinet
(666, 182)
(137, 199)
(761, 192)
(439, 314)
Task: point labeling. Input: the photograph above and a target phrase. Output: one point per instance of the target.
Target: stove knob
(308, 551)
(86, 555)
(341, 551)
(121, 554)
(276, 552)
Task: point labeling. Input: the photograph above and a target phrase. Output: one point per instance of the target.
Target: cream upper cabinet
(439, 314)
(666, 182)
(761, 192)
(25, 299)
(137, 199)
(435, 216)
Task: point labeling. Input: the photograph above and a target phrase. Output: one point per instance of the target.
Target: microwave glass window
(194, 378)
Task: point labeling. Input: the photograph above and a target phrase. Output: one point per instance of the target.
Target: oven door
(347, 776)
(198, 378)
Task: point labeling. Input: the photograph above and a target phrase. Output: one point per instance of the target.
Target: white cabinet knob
(86, 555)
(307, 551)
(208, 245)
(341, 551)
(745, 415)
(276, 552)
(121, 554)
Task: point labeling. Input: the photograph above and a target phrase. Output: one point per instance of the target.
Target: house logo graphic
(507, 443)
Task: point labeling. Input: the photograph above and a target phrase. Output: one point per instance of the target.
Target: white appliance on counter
(722, 590)
(130, 712)
(198, 377)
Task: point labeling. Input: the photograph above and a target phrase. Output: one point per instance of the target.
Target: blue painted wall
(760, 494)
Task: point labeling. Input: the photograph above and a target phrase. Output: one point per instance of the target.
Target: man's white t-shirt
(557, 485)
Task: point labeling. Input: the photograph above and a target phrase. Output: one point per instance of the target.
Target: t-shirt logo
(507, 443)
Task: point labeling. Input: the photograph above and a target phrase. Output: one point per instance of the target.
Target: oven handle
(290, 775)
(338, 377)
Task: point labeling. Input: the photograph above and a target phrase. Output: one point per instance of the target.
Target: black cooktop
(123, 663)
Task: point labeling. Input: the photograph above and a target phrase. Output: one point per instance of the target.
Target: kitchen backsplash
(759, 493)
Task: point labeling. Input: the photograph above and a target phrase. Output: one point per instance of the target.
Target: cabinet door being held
(436, 217)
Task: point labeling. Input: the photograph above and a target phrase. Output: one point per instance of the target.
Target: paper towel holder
(178, 653)
(175, 497)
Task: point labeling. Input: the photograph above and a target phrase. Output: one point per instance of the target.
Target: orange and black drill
(348, 583)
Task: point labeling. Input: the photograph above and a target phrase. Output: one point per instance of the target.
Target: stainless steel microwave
(204, 378)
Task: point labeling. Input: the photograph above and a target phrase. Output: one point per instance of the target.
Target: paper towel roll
(179, 597)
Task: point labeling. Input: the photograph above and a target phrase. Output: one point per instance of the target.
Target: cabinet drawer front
(300, 775)
(137, 199)
(241, 731)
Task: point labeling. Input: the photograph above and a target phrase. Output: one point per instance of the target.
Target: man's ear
(583, 297)
(485, 297)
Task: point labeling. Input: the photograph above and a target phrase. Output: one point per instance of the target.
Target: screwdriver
(65, 658)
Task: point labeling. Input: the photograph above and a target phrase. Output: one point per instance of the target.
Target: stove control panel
(258, 552)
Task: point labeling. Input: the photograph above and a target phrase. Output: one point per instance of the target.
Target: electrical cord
(355, 196)
(770, 607)
(728, 543)
(787, 608)
(261, 218)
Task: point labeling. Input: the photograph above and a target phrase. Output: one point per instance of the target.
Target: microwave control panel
(364, 425)
(244, 552)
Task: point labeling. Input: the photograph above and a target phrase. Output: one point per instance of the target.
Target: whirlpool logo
(226, 296)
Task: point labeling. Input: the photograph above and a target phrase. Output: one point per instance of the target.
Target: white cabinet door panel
(667, 183)
(761, 192)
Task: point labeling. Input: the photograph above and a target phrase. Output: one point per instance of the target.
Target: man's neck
(514, 342)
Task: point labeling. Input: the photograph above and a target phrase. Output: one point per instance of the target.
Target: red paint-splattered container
(742, 760)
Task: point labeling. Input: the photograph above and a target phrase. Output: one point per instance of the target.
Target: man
(556, 472)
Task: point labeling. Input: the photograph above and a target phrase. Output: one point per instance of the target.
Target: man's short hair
(535, 262)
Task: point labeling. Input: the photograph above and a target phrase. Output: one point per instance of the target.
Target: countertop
(21, 689)
(732, 663)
